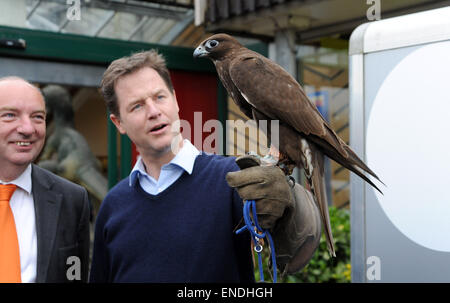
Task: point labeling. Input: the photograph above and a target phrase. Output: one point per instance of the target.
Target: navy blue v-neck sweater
(184, 234)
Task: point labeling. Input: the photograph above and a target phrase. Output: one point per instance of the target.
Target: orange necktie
(9, 245)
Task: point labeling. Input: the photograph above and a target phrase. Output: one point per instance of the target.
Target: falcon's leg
(275, 157)
(286, 165)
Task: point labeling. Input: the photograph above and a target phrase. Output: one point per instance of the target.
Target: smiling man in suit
(44, 219)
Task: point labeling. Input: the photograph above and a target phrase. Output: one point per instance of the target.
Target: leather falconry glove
(289, 212)
(296, 235)
(266, 185)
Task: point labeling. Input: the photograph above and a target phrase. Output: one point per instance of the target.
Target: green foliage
(322, 267)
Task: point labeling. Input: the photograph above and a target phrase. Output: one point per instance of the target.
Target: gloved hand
(267, 185)
(297, 234)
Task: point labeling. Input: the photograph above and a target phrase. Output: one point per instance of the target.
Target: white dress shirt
(22, 205)
(170, 172)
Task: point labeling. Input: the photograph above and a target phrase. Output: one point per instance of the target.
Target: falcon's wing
(275, 93)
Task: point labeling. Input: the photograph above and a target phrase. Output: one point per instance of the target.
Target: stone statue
(66, 151)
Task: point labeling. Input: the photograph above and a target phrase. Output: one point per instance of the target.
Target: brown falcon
(263, 90)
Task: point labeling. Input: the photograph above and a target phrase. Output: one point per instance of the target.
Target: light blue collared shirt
(170, 172)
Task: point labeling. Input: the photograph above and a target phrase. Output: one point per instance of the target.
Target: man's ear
(117, 123)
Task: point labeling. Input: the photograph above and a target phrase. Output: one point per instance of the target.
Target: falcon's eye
(212, 43)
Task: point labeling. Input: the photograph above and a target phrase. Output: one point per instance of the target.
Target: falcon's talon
(269, 160)
(286, 166)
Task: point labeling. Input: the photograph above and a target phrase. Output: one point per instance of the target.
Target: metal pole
(285, 56)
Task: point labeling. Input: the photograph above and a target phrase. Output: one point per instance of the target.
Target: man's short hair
(128, 65)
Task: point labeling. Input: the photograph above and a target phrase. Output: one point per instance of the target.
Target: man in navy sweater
(173, 218)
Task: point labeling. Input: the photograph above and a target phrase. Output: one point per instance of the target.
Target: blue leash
(254, 228)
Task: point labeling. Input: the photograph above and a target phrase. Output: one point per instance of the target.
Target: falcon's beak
(200, 52)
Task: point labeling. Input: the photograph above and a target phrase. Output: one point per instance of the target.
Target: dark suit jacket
(62, 226)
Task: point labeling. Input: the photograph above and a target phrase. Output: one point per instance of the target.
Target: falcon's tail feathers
(313, 164)
(351, 161)
(359, 167)
(318, 188)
